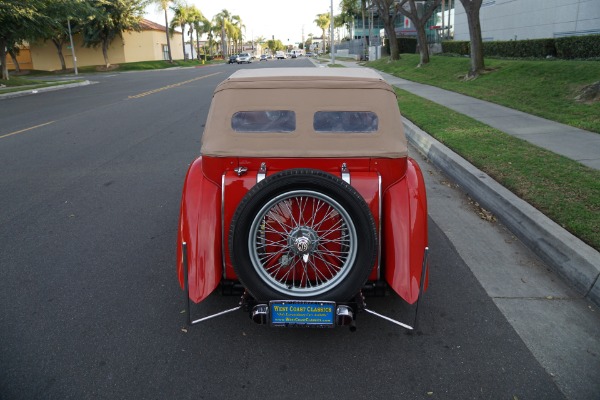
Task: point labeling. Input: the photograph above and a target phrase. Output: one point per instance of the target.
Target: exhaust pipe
(344, 315)
(260, 314)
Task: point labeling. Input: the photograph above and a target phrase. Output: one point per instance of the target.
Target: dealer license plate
(302, 313)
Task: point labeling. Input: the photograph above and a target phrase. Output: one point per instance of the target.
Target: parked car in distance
(309, 54)
(232, 59)
(263, 57)
(244, 58)
(303, 199)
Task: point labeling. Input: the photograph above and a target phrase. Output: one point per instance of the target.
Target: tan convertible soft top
(305, 91)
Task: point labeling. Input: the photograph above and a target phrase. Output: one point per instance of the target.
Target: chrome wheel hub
(302, 240)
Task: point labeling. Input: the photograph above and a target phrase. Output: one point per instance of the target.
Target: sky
(286, 20)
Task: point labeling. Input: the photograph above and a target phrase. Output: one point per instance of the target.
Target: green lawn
(546, 88)
(18, 84)
(562, 189)
(144, 65)
(31, 76)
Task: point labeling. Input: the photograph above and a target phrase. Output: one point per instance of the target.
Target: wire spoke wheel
(302, 242)
(295, 235)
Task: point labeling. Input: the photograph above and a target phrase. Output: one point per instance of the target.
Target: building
(531, 19)
(148, 44)
(373, 27)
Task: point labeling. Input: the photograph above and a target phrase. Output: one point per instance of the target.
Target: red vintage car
(303, 198)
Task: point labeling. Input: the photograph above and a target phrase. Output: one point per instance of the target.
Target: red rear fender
(405, 233)
(200, 228)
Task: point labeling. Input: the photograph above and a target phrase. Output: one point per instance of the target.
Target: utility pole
(332, 47)
(72, 47)
(443, 19)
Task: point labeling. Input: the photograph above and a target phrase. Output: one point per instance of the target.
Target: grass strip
(146, 65)
(546, 88)
(28, 84)
(562, 189)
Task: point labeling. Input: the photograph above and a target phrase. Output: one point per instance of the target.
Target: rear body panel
(392, 188)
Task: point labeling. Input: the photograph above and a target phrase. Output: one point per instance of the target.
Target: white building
(531, 19)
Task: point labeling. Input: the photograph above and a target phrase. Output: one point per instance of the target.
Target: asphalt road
(89, 301)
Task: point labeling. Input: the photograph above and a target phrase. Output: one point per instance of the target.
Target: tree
(308, 43)
(339, 21)
(210, 35)
(180, 19)
(20, 21)
(14, 52)
(223, 27)
(239, 27)
(388, 11)
(65, 13)
(201, 25)
(113, 17)
(275, 45)
(472, 8)
(419, 21)
(322, 21)
(164, 5)
(353, 9)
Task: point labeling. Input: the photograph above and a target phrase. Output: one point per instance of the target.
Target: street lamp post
(72, 47)
(332, 44)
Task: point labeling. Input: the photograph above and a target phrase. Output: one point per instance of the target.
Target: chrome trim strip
(223, 222)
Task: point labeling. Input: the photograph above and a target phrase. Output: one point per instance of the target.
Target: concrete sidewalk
(573, 143)
(576, 262)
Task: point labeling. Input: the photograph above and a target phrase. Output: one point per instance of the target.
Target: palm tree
(202, 26)
(164, 5)
(221, 21)
(180, 19)
(210, 35)
(237, 23)
(322, 22)
(194, 17)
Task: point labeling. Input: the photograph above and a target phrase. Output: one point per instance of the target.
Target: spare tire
(303, 234)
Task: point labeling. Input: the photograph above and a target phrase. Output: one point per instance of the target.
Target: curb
(44, 89)
(568, 256)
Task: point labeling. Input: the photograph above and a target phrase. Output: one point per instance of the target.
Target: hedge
(578, 47)
(571, 47)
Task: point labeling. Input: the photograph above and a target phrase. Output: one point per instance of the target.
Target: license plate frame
(302, 313)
